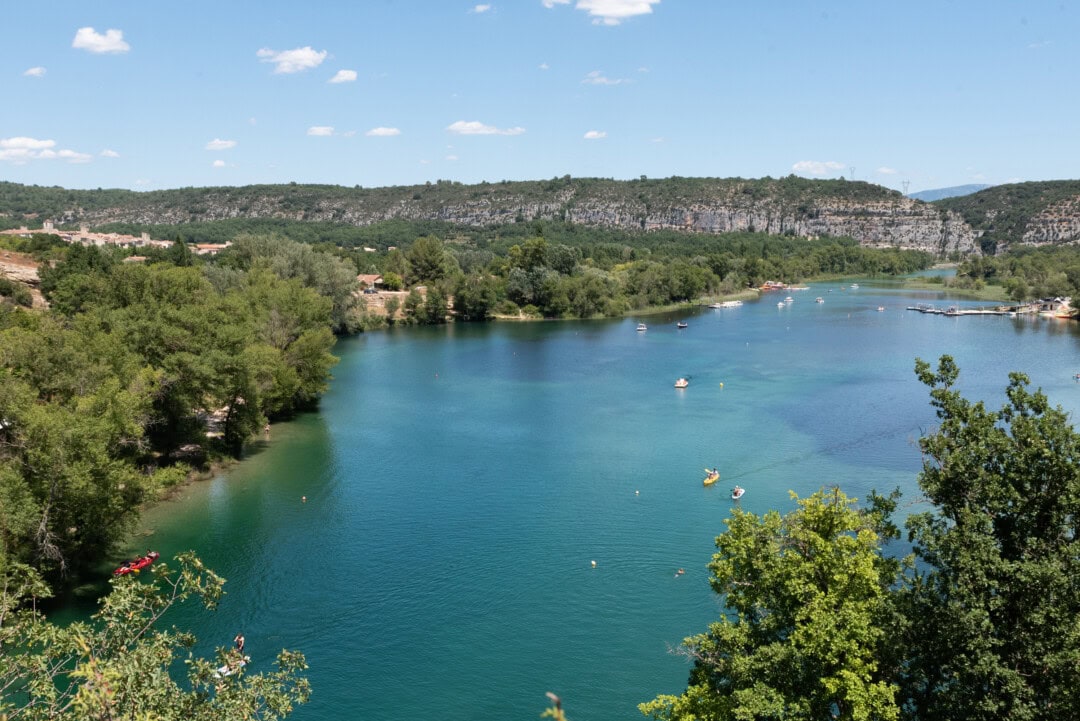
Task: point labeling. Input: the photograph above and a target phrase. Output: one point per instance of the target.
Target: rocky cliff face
(891, 221)
(1056, 224)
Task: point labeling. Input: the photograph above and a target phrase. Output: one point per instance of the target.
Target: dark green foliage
(139, 368)
(979, 624)
(17, 292)
(807, 596)
(121, 664)
(1029, 273)
(992, 630)
(1003, 211)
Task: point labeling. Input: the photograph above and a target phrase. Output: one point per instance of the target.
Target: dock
(953, 310)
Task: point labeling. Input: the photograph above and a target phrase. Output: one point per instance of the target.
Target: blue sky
(149, 95)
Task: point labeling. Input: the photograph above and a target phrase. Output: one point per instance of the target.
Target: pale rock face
(1057, 224)
(894, 223)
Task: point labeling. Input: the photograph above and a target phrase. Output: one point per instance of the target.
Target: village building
(369, 280)
(84, 236)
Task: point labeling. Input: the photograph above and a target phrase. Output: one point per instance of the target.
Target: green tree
(993, 630)
(806, 597)
(120, 665)
(474, 297)
(428, 260)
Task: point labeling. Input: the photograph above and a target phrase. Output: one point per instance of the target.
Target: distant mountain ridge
(928, 196)
(871, 214)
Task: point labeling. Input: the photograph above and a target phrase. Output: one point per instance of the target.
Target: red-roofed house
(368, 281)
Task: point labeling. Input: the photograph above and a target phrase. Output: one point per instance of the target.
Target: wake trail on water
(828, 450)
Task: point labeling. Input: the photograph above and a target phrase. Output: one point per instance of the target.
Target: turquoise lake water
(460, 481)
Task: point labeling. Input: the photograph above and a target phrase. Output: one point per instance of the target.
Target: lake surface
(460, 481)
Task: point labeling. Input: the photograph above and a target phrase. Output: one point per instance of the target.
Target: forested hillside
(1044, 213)
(871, 214)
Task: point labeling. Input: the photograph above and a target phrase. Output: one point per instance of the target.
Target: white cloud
(218, 144)
(218, 164)
(475, 127)
(597, 77)
(816, 167)
(22, 149)
(595, 134)
(544, 66)
(608, 12)
(349, 133)
(92, 41)
(343, 76)
(451, 157)
(481, 8)
(885, 170)
(1042, 44)
(292, 61)
(21, 142)
(35, 72)
(659, 139)
(321, 130)
(382, 132)
(106, 153)
(73, 157)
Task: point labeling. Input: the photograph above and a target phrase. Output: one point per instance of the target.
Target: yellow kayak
(711, 478)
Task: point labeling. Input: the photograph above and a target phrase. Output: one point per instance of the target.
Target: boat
(727, 304)
(737, 493)
(881, 309)
(819, 299)
(137, 565)
(680, 324)
(682, 383)
(712, 476)
(789, 299)
(641, 326)
(854, 286)
(780, 304)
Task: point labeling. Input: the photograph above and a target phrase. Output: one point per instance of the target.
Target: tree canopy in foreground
(124, 663)
(979, 623)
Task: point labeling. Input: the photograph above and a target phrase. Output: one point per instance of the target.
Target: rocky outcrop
(1056, 224)
(875, 217)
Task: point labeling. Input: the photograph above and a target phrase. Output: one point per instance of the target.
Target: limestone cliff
(793, 206)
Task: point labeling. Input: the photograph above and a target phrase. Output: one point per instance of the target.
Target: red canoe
(137, 565)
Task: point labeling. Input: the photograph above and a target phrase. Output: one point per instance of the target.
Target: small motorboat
(712, 476)
(137, 565)
(780, 304)
(737, 493)
(642, 326)
(819, 299)
(789, 299)
(881, 309)
(854, 286)
(682, 383)
(680, 324)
